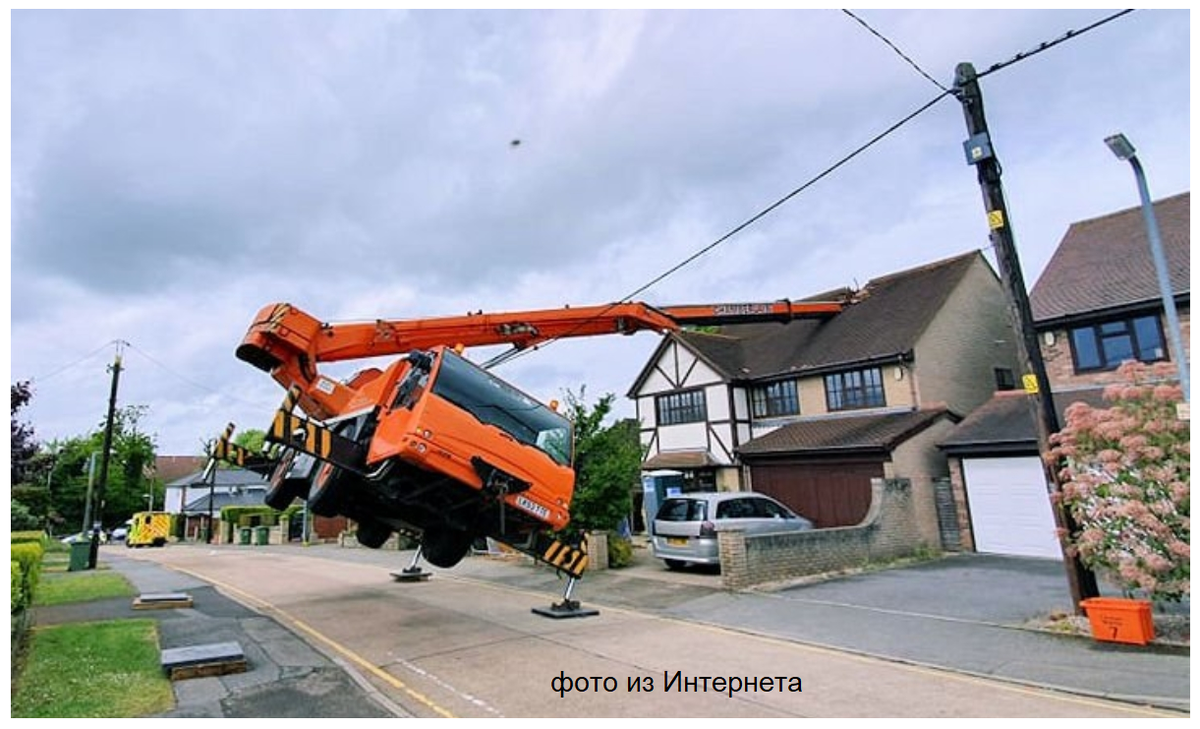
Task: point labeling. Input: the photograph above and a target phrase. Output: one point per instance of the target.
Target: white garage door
(1010, 508)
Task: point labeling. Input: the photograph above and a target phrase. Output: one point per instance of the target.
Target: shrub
(29, 536)
(18, 595)
(29, 556)
(1127, 483)
(620, 551)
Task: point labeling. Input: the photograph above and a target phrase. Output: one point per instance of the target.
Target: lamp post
(1124, 150)
(149, 501)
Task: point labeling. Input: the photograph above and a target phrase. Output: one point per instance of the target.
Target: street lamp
(1124, 150)
(149, 501)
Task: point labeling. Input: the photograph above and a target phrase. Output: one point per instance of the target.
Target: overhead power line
(899, 52)
(1046, 45)
(513, 354)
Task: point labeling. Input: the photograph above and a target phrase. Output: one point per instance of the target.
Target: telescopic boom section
(288, 343)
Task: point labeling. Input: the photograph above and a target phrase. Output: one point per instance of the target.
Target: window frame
(681, 407)
(837, 399)
(1107, 357)
(788, 397)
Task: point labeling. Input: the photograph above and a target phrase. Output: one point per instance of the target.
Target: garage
(831, 493)
(1009, 507)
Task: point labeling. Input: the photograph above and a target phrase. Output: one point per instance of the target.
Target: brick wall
(1060, 367)
(889, 530)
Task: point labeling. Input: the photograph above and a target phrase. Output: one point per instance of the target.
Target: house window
(1005, 380)
(854, 390)
(775, 400)
(680, 407)
(1105, 346)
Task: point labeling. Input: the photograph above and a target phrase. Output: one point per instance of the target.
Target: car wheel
(445, 547)
(372, 534)
(675, 564)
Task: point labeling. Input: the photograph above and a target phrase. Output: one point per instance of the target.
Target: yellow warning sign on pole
(1031, 384)
(995, 219)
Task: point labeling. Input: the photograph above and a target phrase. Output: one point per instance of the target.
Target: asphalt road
(466, 643)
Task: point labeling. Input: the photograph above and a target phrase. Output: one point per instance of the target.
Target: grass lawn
(56, 588)
(104, 669)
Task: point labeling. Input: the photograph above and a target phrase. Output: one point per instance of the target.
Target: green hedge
(620, 551)
(18, 595)
(31, 536)
(28, 555)
(244, 516)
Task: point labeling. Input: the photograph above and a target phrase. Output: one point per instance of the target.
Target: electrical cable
(1050, 44)
(515, 353)
(899, 52)
(188, 380)
(81, 360)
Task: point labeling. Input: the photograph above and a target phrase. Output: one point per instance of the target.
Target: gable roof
(232, 476)
(882, 432)
(881, 322)
(1005, 424)
(250, 496)
(1105, 263)
(169, 468)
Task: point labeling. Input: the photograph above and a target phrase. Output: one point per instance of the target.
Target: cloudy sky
(173, 172)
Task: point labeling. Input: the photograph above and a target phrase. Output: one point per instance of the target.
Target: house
(810, 411)
(1096, 304)
(184, 489)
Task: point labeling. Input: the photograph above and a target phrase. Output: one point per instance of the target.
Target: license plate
(677, 541)
(533, 508)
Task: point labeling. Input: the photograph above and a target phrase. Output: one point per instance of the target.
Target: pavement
(970, 614)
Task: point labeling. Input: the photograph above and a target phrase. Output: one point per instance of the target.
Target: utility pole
(104, 458)
(1041, 402)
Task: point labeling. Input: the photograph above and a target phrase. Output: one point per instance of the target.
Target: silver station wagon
(685, 528)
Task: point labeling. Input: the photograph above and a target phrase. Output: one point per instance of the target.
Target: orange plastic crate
(1120, 620)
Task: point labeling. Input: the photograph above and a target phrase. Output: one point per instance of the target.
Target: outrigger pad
(214, 659)
(416, 574)
(565, 609)
(162, 600)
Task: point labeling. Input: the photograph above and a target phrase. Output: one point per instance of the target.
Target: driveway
(968, 613)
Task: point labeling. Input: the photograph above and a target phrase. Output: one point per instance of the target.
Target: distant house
(810, 411)
(1096, 304)
(184, 489)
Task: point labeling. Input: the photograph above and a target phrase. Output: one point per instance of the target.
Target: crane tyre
(281, 490)
(325, 496)
(373, 533)
(445, 547)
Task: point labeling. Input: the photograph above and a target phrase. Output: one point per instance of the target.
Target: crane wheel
(445, 547)
(325, 496)
(282, 491)
(372, 534)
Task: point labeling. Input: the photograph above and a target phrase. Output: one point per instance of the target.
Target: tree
(607, 462)
(128, 484)
(1127, 482)
(24, 447)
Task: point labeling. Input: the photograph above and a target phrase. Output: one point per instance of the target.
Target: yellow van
(148, 529)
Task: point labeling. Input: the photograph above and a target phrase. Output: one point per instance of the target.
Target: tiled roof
(221, 499)
(881, 432)
(169, 468)
(1005, 424)
(884, 320)
(223, 477)
(680, 459)
(1105, 262)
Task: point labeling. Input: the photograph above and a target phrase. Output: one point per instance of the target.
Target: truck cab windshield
(497, 403)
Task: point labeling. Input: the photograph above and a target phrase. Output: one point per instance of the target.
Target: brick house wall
(1060, 367)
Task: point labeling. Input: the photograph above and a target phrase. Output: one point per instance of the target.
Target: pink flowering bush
(1126, 479)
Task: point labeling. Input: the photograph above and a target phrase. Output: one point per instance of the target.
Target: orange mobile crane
(433, 445)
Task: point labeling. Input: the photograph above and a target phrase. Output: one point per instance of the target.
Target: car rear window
(683, 510)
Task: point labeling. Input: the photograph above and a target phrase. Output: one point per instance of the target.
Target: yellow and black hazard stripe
(226, 450)
(298, 432)
(572, 560)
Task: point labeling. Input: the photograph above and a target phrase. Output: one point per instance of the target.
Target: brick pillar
(735, 570)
